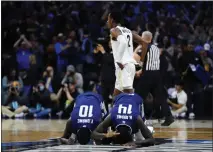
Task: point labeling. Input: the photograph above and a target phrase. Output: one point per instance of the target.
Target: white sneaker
(148, 122)
(151, 129)
(59, 114)
(19, 115)
(182, 115)
(191, 115)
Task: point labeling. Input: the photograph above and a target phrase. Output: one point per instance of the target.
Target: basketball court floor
(41, 135)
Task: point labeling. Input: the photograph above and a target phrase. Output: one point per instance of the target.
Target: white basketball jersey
(128, 51)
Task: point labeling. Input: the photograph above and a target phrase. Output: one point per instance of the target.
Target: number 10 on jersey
(85, 111)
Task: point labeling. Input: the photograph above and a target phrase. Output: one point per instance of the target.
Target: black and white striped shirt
(152, 59)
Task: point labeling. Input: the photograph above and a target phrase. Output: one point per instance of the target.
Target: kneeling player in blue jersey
(125, 119)
(87, 114)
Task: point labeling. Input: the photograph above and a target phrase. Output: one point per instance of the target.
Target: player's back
(87, 111)
(128, 51)
(126, 109)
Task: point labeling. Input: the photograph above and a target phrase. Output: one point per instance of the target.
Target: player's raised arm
(149, 140)
(143, 41)
(137, 38)
(117, 35)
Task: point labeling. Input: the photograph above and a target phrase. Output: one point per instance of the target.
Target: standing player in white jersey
(122, 46)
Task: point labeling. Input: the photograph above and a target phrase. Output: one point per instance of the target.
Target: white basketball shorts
(125, 77)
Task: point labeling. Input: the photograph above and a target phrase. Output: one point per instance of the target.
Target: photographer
(13, 106)
(75, 77)
(107, 71)
(7, 81)
(67, 95)
(42, 100)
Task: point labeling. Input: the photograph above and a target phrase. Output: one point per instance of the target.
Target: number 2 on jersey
(128, 37)
(86, 111)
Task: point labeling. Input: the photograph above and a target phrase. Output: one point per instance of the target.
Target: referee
(150, 78)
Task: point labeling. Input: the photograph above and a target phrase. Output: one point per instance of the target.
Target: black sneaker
(168, 122)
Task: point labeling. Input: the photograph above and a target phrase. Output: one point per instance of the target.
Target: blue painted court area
(162, 145)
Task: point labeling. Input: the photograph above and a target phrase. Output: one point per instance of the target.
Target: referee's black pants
(150, 82)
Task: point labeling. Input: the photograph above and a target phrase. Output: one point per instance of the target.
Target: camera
(14, 88)
(62, 85)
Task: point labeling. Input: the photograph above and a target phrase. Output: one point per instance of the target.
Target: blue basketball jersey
(87, 111)
(127, 107)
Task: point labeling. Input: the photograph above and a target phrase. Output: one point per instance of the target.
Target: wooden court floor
(35, 130)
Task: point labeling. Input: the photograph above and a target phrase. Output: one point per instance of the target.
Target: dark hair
(41, 81)
(83, 136)
(179, 82)
(86, 31)
(116, 16)
(90, 87)
(125, 135)
(8, 74)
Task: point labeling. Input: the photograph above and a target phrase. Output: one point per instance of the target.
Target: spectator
(13, 106)
(51, 56)
(107, 66)
(33, 72)
(41, 101)
(60, 49)
(74, 77)
(191, 83)
(179, 107)
(189, 22)
(87, 47)
(51, 79)
(208, 63)
(30, 77)
(23, 53)
(73, 52)
(67, 95)
(7, 82)
(37, 50)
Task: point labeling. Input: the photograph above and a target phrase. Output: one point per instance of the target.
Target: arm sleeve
(122, 44)
(5, 84)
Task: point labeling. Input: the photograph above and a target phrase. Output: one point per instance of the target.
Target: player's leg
(118, 87)
(138, 136)
(127, 78)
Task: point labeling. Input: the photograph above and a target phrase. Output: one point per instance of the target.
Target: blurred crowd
(54, 51)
